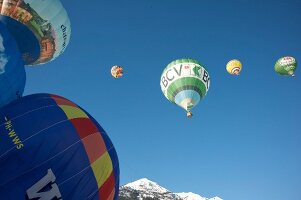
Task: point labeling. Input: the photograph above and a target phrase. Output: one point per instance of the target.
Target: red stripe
(95, 146)
(84, 127)
(106, 189)
(91, 138)
(62, 101)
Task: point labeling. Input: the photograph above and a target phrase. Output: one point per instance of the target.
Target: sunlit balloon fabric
(286, 66)
(234, 67)
(52, 149)
(185, 82)
(116, 71)
(12, 72)
(41, 28)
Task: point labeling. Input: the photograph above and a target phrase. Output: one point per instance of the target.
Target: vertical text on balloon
(12, 134)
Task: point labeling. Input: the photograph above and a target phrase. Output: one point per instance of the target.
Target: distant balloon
(234, 67)
(40, 27)
(12, 72)
(116, 71)
(185, 82)
(50, 148)
(286, 66)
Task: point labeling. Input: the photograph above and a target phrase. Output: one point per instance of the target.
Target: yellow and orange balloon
(234, 67)
(117, 71)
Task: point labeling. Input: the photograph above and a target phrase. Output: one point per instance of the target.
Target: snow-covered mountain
(144, 189)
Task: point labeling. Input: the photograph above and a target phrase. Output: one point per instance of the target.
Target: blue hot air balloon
(12, 72)
(50, 148)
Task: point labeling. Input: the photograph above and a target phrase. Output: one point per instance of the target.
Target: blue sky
(244, 139)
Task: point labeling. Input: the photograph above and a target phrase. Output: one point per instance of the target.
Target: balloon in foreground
(12, 72)
(116, 71)
(185, 82)
(234, 67)
(50, 148)
(286, 66)
(40, 27)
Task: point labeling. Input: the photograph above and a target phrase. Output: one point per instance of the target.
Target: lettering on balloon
(37, 191)
(206, 78)
(287, 61)
(184, 70)
(12, 134)
(64, 30)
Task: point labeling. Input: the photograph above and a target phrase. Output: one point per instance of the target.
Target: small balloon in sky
(41, 28)
(185, 82)
(117, 71)
(286, 66)
(234, 67)
(50, 148)
(12, 72)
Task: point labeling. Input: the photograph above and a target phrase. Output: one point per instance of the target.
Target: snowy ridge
(192, 196)
(146, 185)
(144, 189)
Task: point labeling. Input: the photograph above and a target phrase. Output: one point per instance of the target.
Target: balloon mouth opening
(236, 73)
(291, 73)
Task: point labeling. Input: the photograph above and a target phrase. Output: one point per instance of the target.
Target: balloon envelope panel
(41, 28)
(12, 72)
(49, 146)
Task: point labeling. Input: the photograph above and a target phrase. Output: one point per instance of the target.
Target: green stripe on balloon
(188, 81)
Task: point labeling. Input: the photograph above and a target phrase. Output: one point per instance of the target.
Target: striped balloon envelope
(50, 148)
(185, 82)
(12, 72)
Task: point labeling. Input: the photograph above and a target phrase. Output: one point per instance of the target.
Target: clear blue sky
(244, 141)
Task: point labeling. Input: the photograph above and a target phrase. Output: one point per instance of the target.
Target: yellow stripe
(102, 168)
(73, 112)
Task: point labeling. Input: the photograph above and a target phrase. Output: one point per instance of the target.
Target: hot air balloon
(50, 148)
(234, 67)
(40, 27)
(12, 72)
(185, 82)
(286, 66)
(116, 71)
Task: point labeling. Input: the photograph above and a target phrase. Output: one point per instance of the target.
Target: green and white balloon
(185, 82)
(286, 66)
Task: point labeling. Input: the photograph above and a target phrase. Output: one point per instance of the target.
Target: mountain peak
(146, 185)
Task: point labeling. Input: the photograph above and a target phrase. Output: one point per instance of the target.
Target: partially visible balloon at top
(40, 27)
(234, 67)
(286, 66)
(12, 72)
